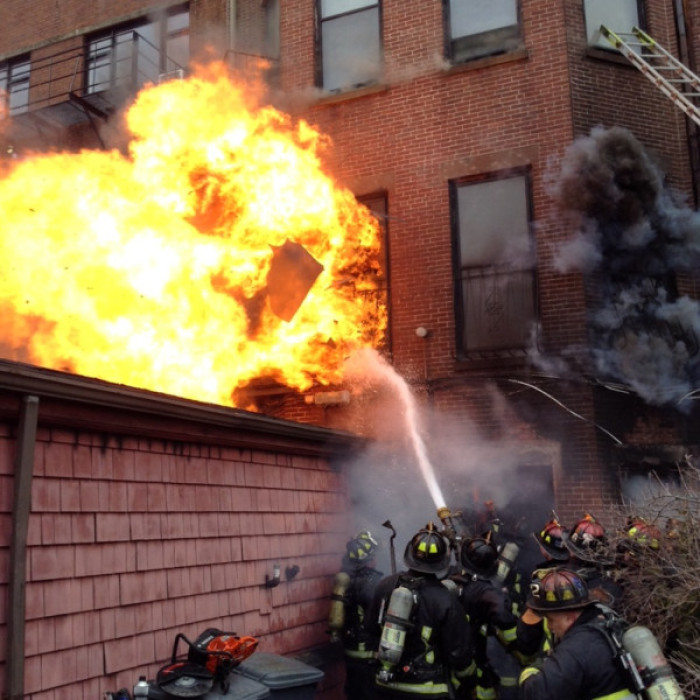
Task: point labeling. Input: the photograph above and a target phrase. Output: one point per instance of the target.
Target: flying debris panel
(292, 273)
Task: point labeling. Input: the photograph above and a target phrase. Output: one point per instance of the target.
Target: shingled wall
(151, 516)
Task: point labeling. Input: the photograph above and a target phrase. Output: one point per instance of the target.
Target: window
(14, 84)
(495, 266)
(620, 16)
(377, 204)
(272, 29)
(349, 43)
(133, 55)
(479, 28)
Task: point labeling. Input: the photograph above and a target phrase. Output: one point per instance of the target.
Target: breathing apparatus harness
(637, 651)
(400, 617)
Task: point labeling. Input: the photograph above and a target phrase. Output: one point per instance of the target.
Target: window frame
(106, 44)
(511, 41)
(463, 352)
(9, 68)
(318, 52)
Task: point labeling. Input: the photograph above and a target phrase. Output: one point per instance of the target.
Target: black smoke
(635, 237)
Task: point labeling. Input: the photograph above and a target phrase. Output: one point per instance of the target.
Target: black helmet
(428, 552)
(361, 548)
(558, 589)
(478, 555)
(552, 539)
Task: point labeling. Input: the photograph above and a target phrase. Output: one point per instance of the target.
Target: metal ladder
(673, 78)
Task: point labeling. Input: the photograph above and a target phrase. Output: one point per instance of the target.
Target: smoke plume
(635, 235)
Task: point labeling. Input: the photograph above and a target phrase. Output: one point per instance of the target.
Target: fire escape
(84, 86)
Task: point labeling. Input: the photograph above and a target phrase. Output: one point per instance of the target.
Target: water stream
(375, 365)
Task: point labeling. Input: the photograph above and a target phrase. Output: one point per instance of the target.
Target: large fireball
(215, 252)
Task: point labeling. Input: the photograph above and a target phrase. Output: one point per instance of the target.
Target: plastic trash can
(240, 688)
(287, 679)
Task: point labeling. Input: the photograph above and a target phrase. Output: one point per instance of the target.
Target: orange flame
(151, 269)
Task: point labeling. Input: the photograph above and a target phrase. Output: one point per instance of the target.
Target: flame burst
(162, 269)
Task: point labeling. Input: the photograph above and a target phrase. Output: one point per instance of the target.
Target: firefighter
(582, 664)
(355, 594)
(490, 615)
(552, 543)
(591, 558)
(425, 649)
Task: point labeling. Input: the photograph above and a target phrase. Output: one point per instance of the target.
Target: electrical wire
(566, 408)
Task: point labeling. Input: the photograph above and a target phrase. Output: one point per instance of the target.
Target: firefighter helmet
(587, 539)
(428, 552)
(361, 547)
(640, 532)
(478, 555)
(552, 539)
(558, 589)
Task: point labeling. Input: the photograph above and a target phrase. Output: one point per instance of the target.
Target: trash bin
(287, 679)
(240, 688)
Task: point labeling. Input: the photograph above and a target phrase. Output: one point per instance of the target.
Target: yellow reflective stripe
(360, 654)
(619, 695)
(509, 681)
(527, 673)
(468, 671)
(416, 688)
(507, 636)
(485, 693)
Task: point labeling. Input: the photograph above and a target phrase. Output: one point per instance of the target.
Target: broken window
(620, 16)
(349, 43)
(479, 28)
(378, 206)
(495, 266)
(144, 51)
(14, 84)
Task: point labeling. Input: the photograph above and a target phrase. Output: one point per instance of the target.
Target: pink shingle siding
(155, 527)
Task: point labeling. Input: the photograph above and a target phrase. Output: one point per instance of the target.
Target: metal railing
(113, 71)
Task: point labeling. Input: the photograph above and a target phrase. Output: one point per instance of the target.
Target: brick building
(457, 123)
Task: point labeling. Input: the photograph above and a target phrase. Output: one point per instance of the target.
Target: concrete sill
(521, 54)
(351, 94)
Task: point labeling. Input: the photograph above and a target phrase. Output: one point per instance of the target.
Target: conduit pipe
(24, 467)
